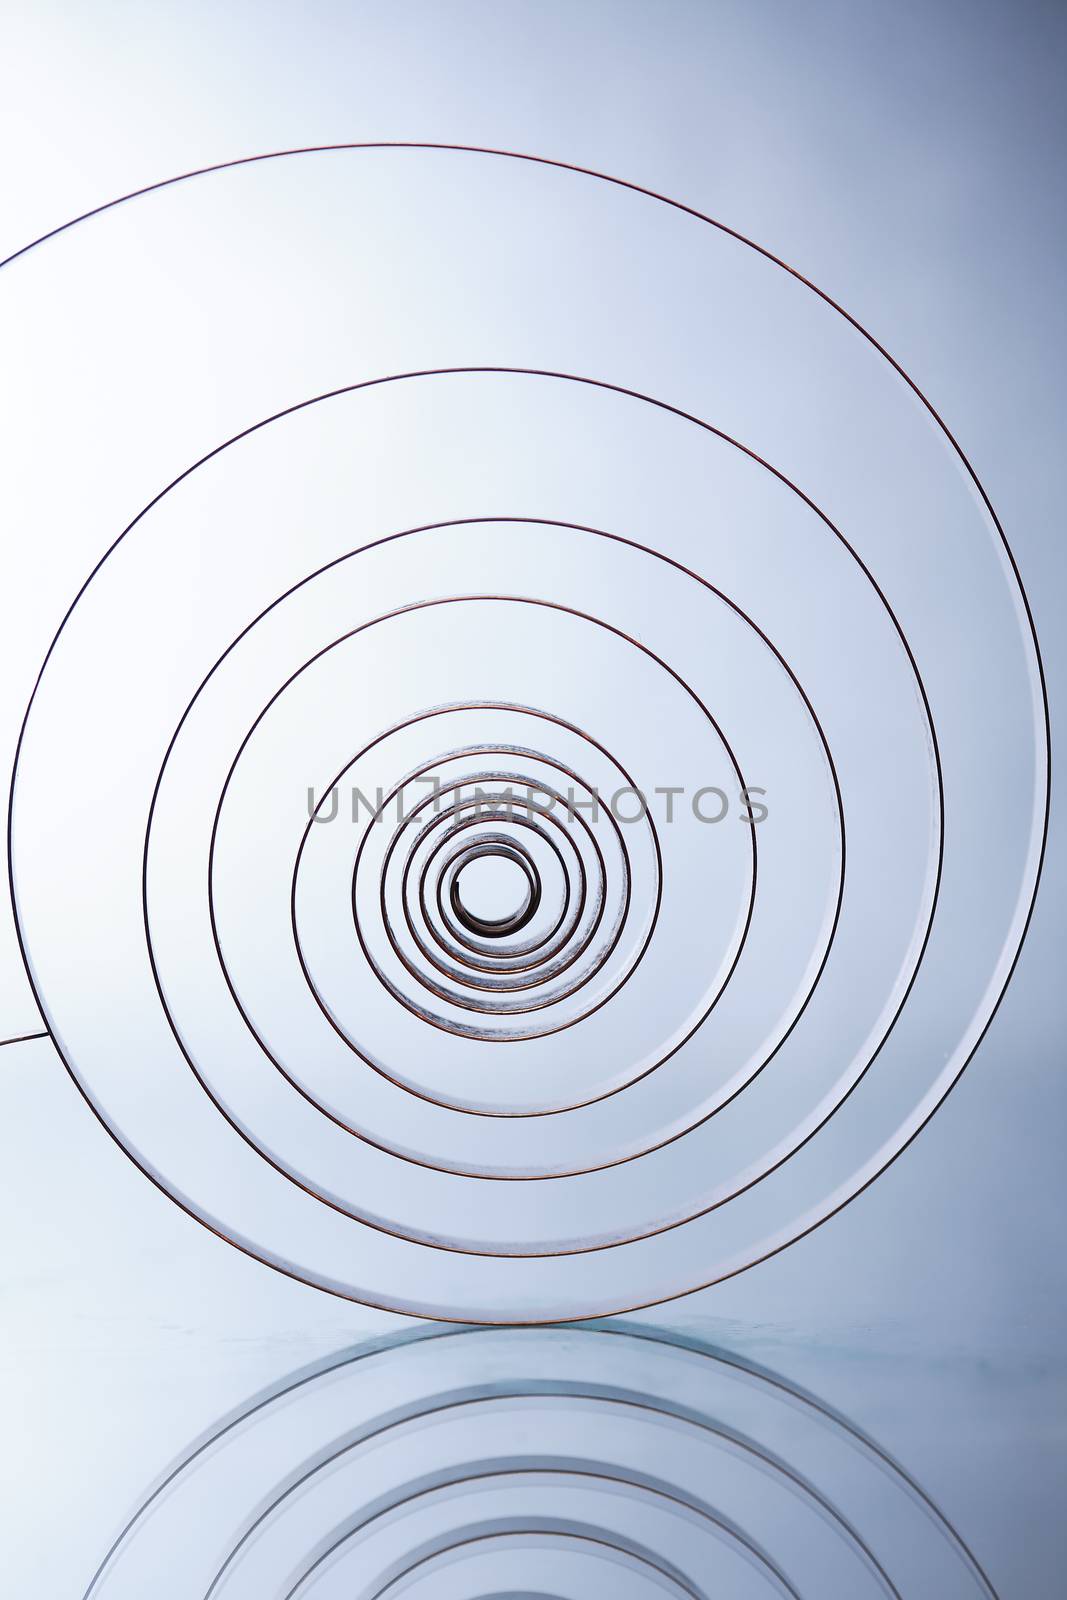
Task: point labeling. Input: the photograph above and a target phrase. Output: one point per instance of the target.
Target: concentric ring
(515, 1251)
(335, 780)
(737, 1107)
(523, 823)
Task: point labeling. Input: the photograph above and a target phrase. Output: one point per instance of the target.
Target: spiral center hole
(492, 888)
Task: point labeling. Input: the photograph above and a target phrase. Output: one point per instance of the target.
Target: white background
(907, 159)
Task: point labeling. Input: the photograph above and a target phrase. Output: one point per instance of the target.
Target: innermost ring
(495, 891)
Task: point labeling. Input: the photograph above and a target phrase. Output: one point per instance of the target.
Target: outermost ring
(806, 283)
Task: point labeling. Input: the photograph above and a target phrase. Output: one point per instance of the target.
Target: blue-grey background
(906, 158)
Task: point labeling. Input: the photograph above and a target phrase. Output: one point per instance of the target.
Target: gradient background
(908, 160)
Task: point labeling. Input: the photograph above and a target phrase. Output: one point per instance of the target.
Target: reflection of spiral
(564, 1462)
(715, 1037)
